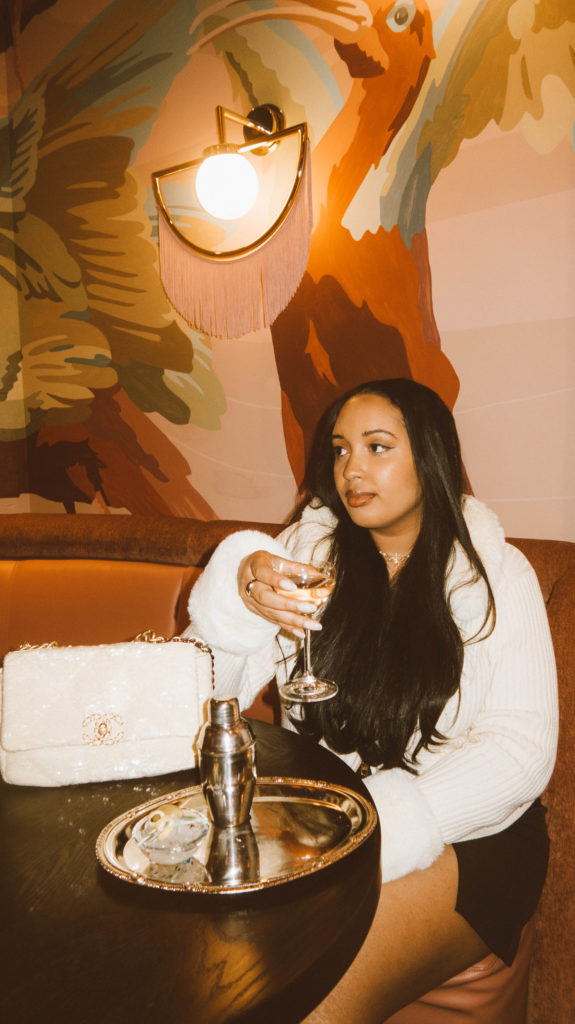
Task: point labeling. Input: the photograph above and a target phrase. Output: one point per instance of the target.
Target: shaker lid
(224, 712)
(225, 731)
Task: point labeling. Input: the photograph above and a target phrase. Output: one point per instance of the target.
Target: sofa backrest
(552, 979)
(87, 579)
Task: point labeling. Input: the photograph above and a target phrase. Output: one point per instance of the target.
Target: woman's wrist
(221, 616)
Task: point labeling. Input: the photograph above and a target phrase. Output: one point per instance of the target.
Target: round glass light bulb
(227, 185)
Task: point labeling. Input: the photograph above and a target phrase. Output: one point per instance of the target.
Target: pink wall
(501, 259)
(505, 307)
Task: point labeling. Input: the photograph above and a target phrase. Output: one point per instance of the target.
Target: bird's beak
(346, 20)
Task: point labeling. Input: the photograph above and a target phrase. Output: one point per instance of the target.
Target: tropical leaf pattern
(78, 261)
(92, 354)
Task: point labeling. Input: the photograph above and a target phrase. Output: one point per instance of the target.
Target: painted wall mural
(107, 397)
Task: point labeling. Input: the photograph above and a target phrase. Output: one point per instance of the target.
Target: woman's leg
(416, 942)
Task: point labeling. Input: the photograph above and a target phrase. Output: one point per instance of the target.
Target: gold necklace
(394, 559)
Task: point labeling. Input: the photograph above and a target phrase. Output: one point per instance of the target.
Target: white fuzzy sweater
(501, 730)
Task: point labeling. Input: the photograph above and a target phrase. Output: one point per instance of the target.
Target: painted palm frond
(89, 327)
(78, 235)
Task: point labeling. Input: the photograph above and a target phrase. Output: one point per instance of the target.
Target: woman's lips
(356, 499)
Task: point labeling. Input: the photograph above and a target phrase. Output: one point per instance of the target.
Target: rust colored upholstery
(172, 541)
(79, 600)
(83, 579)
(490, 992)
(552, 978)
(98, 579)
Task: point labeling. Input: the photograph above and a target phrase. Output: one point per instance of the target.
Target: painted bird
(364, 307)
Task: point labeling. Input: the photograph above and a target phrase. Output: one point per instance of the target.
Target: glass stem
(307, 654)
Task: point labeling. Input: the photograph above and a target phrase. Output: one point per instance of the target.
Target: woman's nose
(353, 466)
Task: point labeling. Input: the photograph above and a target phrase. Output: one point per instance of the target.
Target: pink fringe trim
(229, 298)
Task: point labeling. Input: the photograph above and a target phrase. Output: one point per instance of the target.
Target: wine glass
(315, 583)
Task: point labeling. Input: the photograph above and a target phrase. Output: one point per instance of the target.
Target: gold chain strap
(38, 647)
(149, 636)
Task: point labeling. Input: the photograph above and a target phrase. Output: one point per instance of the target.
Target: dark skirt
(501, 878)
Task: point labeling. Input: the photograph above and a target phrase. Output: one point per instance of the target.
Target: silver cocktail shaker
(234, 857)
(227, 764)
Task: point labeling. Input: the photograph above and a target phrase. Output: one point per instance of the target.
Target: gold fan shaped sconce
(234, 225)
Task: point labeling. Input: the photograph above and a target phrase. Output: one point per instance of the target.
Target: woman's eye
(338, 451)
(378, 447)
(401, 15)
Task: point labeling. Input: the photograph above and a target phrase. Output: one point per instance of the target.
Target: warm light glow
(227, 185)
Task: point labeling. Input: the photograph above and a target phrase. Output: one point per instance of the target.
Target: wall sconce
(235, 224)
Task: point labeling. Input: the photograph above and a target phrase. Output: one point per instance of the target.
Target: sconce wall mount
(232, 274)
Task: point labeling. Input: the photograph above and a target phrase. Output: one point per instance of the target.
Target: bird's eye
(401, 15)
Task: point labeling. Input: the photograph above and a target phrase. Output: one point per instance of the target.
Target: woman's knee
(417, 941)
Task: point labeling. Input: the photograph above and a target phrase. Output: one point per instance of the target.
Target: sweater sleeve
(410, 835)
(476, 783)
(243, 644)
(505, 760)
(216, 609)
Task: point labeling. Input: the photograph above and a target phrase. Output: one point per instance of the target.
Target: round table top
(83, 946)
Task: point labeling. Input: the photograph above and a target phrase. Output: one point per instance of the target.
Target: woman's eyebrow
(379, 430)
(367, 433)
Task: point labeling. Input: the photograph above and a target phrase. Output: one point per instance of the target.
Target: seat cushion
(88, 601)
(489, 992)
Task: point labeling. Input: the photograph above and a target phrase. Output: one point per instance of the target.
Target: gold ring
(248, 587)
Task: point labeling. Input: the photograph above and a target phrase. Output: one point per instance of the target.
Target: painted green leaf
(201, 392)
(54, 375)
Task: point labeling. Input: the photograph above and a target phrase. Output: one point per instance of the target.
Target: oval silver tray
(297, 827)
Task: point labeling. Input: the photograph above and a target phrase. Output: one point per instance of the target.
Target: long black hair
(394, 650)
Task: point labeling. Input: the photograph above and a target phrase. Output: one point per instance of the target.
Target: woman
(437, 636)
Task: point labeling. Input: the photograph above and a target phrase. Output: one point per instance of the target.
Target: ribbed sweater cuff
(216, 609)
(410, 837)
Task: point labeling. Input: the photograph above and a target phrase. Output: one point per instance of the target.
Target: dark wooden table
(79, 946)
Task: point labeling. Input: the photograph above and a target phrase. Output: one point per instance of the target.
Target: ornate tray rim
(110, 863)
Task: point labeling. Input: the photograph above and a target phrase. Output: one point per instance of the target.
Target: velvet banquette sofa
(86, 579)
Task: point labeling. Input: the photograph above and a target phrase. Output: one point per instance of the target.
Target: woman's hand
(265, 589)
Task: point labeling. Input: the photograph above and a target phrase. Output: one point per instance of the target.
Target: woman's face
(375, 473)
